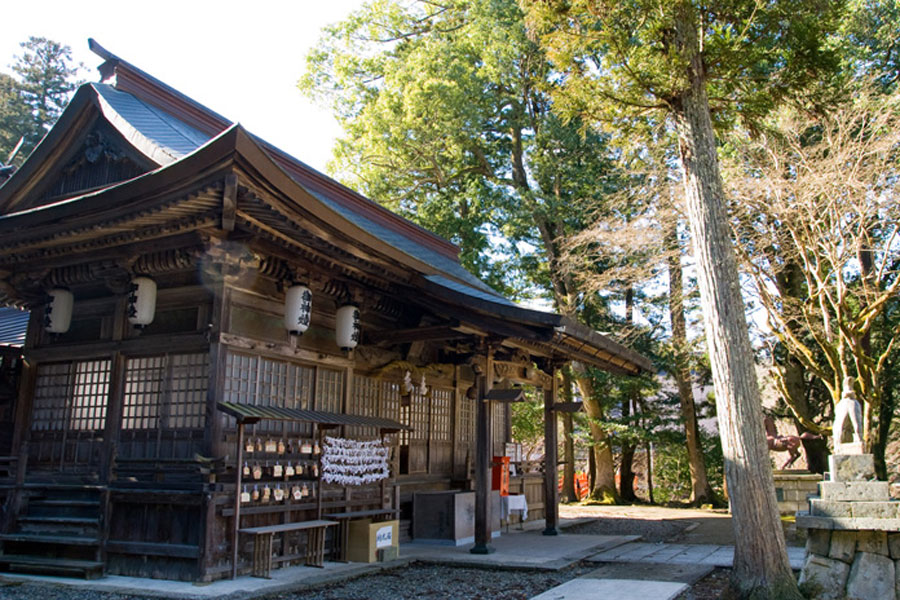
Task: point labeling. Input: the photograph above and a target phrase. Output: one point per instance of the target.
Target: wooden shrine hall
(226, 347)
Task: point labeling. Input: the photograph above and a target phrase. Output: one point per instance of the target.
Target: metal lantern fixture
(58, 315)
(297, 309)
(142, 302)
(346, 327)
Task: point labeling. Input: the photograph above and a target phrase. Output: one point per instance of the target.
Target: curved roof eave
(36, 163)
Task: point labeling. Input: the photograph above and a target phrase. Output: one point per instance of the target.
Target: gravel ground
(442, 582)
(711, 587)
(32, 591)
(651, 531)
(405, 583)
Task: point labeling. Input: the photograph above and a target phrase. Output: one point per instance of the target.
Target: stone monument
(853, 527)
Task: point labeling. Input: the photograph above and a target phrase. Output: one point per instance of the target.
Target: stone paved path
(647, 571)
(699, 554)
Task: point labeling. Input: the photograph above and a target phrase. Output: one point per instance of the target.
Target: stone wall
(853, 564)
(792, 489)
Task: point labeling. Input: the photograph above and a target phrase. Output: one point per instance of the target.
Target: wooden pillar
(215, 273)
(23, 415)
(236, 536)
(483, 449)
(551, 491)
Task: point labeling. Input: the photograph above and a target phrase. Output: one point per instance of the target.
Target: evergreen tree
(31, 102)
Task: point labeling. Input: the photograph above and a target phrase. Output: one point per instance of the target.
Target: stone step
(856, 509)
(852, 467)
(871, 491)
(24, 563)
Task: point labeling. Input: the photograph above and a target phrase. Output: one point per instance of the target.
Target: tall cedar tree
(448, 123)
(31, 102)
(735, 58)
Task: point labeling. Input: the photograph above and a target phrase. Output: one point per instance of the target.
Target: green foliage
(32, 101)
(620, 60)
(527, 419)
(671, 469)
(869, 42)
(447, 122)
(15, 116)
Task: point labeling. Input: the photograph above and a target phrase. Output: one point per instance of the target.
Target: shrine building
(227, 349)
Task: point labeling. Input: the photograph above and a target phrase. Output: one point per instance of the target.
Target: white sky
(241, 59)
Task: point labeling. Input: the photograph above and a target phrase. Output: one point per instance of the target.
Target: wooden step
(40, 538)
(54, 502)
(91, 487)
(61, 520)
(51, 566)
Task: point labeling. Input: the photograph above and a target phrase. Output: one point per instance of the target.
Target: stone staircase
(58, 531)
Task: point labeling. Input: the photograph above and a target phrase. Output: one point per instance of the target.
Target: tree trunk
(701, 491)
(626, 465)
(603, 484)
(568, 488)
(603, 487)
(761, 568)
(886, 405)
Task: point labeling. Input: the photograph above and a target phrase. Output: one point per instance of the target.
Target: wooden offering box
(368, 538)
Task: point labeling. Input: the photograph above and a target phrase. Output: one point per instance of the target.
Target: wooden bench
(263, 539)
(344, 518)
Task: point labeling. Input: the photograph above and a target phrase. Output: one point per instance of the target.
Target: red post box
(500, 474)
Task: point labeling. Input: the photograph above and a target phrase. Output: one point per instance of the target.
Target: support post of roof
(551, 491)
(483, 445)
(239, 461)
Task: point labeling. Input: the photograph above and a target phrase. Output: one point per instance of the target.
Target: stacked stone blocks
(792, 489)
(853, 542)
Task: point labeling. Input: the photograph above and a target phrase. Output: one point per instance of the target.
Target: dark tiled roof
(13, 324)
(156, 133)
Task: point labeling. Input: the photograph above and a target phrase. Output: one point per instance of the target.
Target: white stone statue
(848, 407)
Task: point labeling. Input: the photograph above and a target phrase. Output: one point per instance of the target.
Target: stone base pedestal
(853, 534)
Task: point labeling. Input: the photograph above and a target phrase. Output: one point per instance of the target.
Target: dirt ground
(695, 526)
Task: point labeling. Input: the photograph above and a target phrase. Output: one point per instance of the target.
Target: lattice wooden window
(405, 416)
(166, 391)
(71, 396)
(441, 403)
(144, 382)
(420, 422)
(390, 400)
(363, 401)
(329, 390)
(263, 381)
(189, 379)
(498, 424)
(51, 394)
(466, 430)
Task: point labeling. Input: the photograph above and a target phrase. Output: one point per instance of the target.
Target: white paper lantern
(142, 301)
(58, 314)
(346, 327)
(297, 309)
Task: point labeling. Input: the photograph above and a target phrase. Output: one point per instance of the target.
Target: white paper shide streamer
(354, 462)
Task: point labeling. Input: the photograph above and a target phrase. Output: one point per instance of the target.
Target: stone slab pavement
(526, 549)
(630, 581)
(699, 554)
(585, 588)
(244, 587)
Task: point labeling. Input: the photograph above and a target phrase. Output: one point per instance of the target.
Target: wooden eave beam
(417, 334)
(121, 252)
